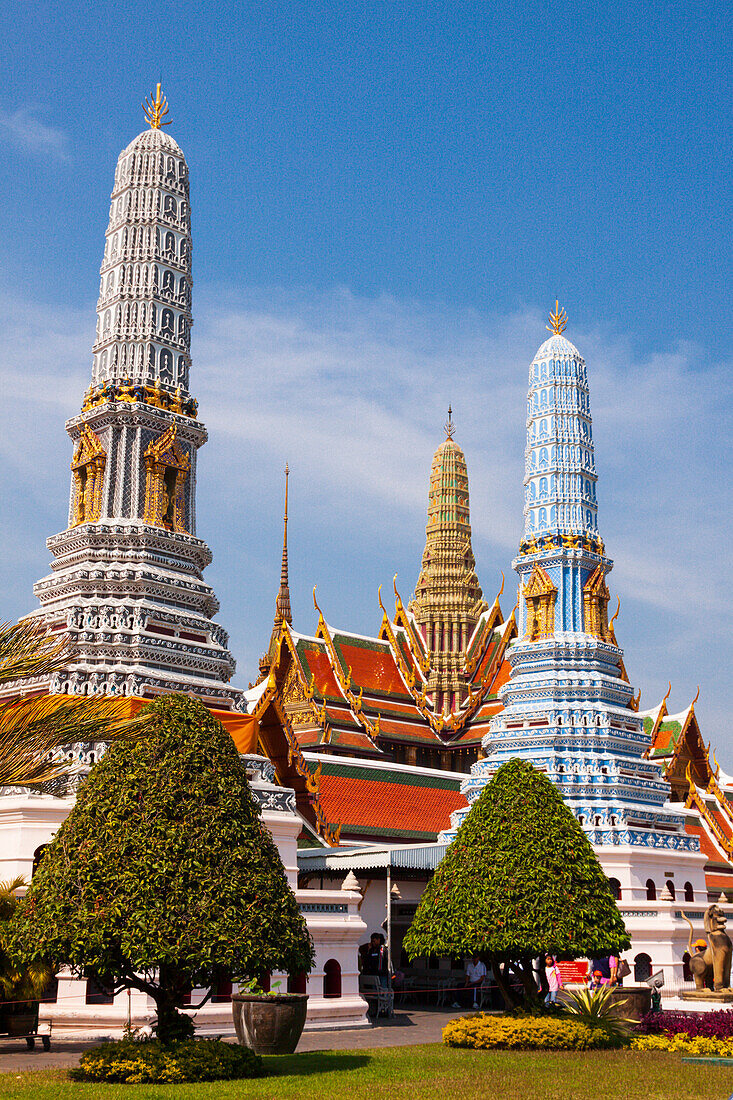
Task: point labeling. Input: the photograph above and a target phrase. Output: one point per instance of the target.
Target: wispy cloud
(25, 131)
(353, 393)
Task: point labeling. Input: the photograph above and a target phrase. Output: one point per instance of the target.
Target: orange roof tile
(371, 669)
(368, 800)
(317, 662)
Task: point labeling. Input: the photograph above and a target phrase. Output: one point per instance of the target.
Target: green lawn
(429, 1073)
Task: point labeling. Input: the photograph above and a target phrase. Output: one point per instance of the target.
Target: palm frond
(597, 1008)
(28, 650)
(32, 729)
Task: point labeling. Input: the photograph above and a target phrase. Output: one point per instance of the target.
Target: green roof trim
(403, 779)
(379, 830)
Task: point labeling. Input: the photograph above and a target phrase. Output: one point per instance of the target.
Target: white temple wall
(29, 821)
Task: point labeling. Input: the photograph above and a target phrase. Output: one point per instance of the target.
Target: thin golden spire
(156, 109)
(558, 320)
(282, 604)
(449, 426)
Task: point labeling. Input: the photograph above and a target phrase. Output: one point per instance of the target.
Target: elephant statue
(710, 960)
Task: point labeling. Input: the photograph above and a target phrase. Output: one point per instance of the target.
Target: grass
(430, 1072)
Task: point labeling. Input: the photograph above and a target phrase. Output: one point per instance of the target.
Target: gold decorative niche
(595, 604)
(540, 594)
(87, 466)
(167, 468)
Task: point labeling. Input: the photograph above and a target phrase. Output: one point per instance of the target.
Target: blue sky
(387, 199)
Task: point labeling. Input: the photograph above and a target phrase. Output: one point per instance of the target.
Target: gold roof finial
(558, 320)
(449, 425)
(156, 109)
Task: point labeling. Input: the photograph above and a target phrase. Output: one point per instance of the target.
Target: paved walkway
(405, 1028)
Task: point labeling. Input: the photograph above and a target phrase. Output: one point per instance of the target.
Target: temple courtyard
(425, 1071)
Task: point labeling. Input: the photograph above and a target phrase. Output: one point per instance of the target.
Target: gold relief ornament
(167, 468)
(87, 465)
(156, 109)
(557, 320)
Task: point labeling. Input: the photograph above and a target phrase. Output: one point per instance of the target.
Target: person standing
(375, 959)
(554, 980)
(475, 975)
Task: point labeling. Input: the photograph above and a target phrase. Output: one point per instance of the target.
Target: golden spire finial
(558, 320)
(283, 611)
(449, 425)
(156, 109)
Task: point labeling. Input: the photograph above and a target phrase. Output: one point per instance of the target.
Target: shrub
(597, 1008)
(701, 1046)
(521, 878)
(714, 1025)
(163, 876)
(484, 1032)
(133, 1061)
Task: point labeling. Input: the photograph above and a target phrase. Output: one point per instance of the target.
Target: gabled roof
(386, 801)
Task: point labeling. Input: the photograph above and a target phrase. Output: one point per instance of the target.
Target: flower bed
(484, 1032)
(712, 1025)
(697, 1045)
(134, 1061)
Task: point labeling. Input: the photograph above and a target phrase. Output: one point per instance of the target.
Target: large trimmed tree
(520, 879)
(163, 876)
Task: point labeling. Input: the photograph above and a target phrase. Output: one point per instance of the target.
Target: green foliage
(597, 1007)
(484, 1032)
(519, 879)
(133, 1061)
(163, 876)
(18, 981)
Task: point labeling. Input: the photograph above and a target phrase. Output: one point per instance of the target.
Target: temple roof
(385, 800)
(556, 345)
(154, 141)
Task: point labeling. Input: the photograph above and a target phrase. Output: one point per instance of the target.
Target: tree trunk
(503, 981)
(171, 1025)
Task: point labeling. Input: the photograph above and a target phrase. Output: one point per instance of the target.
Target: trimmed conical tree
(519, 879)
(163, 876)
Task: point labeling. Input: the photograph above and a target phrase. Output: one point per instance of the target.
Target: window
(296, 983)
(222, 991)
(332, 979)
(98, 994)
(642, 967)
(670, 887)
(37, 857)
(615, 888)
(651, 890)
(686, 971)
(689, 892)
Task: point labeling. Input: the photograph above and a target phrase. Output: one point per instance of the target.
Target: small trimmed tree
(163, 876)
(519, 879)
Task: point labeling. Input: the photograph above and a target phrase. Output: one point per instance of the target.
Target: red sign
(574, 971)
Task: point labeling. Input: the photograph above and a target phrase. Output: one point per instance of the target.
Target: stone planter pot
(22, 1024)
(631, 1001)
(269, 1023)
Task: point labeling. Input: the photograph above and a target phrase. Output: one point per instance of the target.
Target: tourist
(374, 959)
(613, 969)
(554, 980)
(475, 975)
(603, 966)
(597, 980)
(622, 971)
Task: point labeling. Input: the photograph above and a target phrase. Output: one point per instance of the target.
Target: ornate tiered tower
(569, 707)
(448, 601)
(127, 579)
